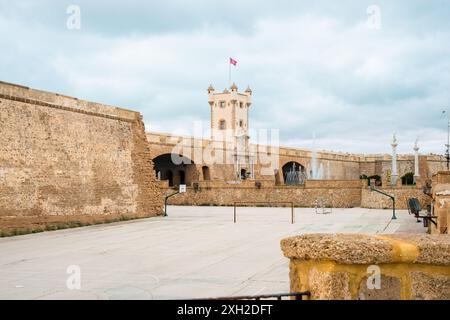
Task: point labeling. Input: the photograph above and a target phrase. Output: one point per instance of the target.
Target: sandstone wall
(375, 200)
(335, 193)
(369, 267)
(66, 159)
(441, 200)
(339, 194)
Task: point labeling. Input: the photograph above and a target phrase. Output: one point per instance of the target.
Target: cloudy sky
(348, 71)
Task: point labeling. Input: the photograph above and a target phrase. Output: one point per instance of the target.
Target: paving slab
(195, 252)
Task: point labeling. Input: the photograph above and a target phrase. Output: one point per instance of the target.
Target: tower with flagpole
(230, 121)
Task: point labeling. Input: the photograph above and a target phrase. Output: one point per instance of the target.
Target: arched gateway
(294, 173)
(177, 169)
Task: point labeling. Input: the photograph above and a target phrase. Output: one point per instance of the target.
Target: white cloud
(310, 70)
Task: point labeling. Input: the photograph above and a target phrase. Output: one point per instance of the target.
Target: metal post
(394, 217)
(393, 209)
(165, 202)
(292, 213)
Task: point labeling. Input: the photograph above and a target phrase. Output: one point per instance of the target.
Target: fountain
(315, 173)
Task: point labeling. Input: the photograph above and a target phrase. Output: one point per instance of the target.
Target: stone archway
(177, 169)
(294, 173)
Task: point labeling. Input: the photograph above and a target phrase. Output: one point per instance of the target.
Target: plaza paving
(194, 252)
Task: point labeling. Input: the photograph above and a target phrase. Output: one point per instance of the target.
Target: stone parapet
(441, 202)
(356, 266)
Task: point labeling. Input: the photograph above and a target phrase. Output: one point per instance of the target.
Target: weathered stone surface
(410, 266)
(369, 249)
(430, 287)
(60, 156)
(441, 199)
(329, 285)
(390, 289)
(433, 249)
(370, 199)
(338, 194)
(342, 248)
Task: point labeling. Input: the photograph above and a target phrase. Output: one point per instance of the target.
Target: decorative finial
(210, 88)
(248, 89)
(234, 86)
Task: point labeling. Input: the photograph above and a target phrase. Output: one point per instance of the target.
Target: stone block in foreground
(357, 266)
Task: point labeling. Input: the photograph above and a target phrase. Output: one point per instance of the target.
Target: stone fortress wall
(344, 188)
(64, 159)
(337, 165)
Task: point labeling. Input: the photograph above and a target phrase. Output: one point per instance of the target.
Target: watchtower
(229, 121)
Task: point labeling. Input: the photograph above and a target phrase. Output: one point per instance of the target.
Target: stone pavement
(194, 252)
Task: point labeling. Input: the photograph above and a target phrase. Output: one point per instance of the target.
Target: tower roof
(210, 88)
(248, 89)
(234, 86)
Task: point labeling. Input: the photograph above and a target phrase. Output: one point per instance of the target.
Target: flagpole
(229, 73)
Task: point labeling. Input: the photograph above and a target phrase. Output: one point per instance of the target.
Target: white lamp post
(416, 161)
(394, 175)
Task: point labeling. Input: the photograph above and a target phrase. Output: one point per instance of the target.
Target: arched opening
(243, 174)
(293, 173)
(408, 179)
(222, 125)
(169, 176)
(377, 180)
(182, 177)
(177, 169)
(205, 173)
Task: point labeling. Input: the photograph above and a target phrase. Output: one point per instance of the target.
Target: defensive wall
(67, 160)
(330, 193)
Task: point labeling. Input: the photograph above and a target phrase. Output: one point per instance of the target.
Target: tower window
(241, 123)
(222, 104)
(222, 125)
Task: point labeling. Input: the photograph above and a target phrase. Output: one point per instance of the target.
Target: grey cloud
(313, 66)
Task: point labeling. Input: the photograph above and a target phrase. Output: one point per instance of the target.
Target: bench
(415, 208)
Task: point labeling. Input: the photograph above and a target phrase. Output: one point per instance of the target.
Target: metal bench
(415, 208)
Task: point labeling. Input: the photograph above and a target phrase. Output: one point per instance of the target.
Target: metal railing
(277, 296)
(266, 202)
(372, 188)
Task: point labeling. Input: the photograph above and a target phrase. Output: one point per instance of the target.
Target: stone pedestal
(356, 266)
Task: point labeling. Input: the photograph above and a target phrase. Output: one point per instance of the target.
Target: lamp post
(394, 174)
(416, 161)
(447, 152)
